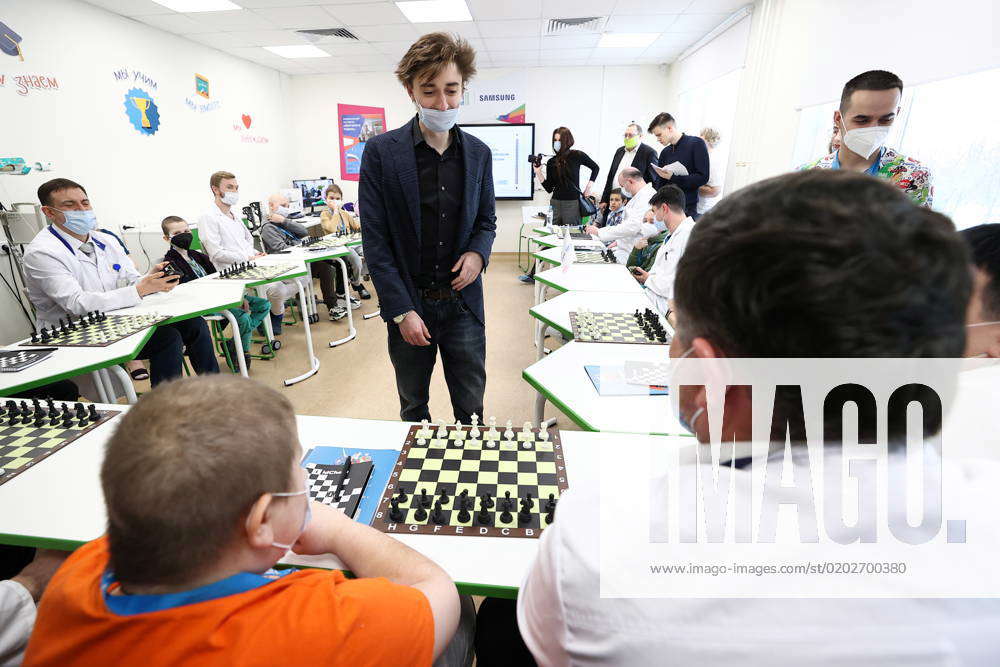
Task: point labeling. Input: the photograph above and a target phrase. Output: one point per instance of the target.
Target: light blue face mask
(660, 225)
(79, 222)
(438, 121)
(305, 519)
(556, 145)
(688, 425)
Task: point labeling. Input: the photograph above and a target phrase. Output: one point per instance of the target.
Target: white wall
(594, 102)
(803, 51)
(83, 130)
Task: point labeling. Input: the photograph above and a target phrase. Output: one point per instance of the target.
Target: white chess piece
(527, 428)
(543, 434)
(442, 432)
(493, 428)
(474, 432)
(509, 433)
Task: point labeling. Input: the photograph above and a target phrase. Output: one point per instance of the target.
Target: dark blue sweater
(693, 154)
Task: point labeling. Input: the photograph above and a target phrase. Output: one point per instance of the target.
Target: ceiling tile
(297, 17)
(512, 44)
(377, 60)
(676, 39)
(569, 41)
(237, 19)
(630, 54)
(492, 10)
(652, 23)
(264, 4)
(131, 7)
(221, 40)
(466, 29)
(256, 54)
(645, 7)
(578, 55)
(348, 48)
(562, 9)
(270, 37)
(176, 23)
(697, 22)
(386, 33)
(394, 49)
(332, 66)
(520, 28)
(369, 13)
(715, 6)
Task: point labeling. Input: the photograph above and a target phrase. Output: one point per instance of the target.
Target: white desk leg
(126, 383)
(238, 341)
(540, 413)
(540, 339)
(102, 392)
(351, 331)
(313, 361)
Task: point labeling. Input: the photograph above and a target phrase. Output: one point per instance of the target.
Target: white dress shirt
(565, 621)
(660, 282)
(17, 618)
(629, 230)
(628, 157)
(63, 280)
(715, 180)
(226, 239)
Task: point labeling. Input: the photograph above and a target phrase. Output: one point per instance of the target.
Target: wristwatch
(399, 318)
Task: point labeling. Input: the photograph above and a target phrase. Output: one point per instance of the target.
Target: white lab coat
(226, 240)
(629, 230)
(660, 282)
(17, 618)
(60, 282)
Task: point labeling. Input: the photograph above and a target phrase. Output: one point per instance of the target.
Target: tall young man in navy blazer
(426, 191)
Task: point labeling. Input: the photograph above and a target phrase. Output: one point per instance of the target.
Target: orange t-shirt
(310, 617)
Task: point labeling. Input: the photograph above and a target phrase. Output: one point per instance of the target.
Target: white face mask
(230, 198)
(283, 211)
(865, 140)
(556, 145)
(438, 121)
(305, 519)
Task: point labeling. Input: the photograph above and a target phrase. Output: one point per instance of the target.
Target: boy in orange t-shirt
(197, 515)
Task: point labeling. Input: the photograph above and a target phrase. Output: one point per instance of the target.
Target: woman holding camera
(562, 178)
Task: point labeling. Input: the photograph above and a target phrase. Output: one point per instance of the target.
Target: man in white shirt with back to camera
(761, 278)
(668, 207)
(227, 241)
(629, 230)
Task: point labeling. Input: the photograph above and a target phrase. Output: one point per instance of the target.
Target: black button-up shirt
(441, 180)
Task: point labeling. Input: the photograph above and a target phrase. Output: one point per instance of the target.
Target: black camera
(536, 160)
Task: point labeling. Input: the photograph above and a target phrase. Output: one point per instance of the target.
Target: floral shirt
(906, 173)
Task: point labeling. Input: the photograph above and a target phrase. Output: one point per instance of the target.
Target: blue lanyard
(52, 230)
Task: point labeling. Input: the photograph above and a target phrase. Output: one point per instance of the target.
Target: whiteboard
(511, 144)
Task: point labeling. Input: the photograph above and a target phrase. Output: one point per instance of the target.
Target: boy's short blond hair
(184, 466)
(170, 220)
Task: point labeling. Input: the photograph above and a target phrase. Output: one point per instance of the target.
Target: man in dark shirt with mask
(426, 190)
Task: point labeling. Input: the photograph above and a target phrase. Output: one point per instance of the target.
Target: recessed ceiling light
(298, 51)
(435, 11)
(626, 40)
(190, 6)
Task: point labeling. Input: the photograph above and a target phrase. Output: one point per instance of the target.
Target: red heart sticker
(246, 121)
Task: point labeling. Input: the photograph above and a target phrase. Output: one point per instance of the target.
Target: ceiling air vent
(327, 33)
(587, 24)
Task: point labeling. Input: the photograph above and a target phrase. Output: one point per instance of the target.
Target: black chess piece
(463, 511)
(524, 516)
(506, 516)
(487, 502)
(67, 420)
(528, 502)
(437, 516)
(506, 504)
(551, 504)
(425, 500)
(34, 336)
(395, 513)
(402, 494)
(443, 497)
(44, 335)
(550, 516)
(69, 323)
(53, 418)
(79, 410)
(484, 518)
(420, 515)
(25, 410)
(92, 411)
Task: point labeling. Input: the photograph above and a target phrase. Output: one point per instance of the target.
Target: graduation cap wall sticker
(10, 42)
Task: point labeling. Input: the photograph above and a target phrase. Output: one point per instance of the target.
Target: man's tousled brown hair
(431, 53)
(184, 466)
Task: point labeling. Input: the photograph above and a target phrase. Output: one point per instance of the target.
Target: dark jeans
(166, 347)
(331, 280)
(462, 341)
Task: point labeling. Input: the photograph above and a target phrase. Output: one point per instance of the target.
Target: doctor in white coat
(73, 269)
(630, 229)
(668, 207)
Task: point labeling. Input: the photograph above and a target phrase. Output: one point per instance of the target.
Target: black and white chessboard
(328, 486)
(595, 257)
(641, 327)
(12, 361)
(254, 271)
(94, 329)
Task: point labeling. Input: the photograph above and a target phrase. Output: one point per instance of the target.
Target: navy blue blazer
(389, 195)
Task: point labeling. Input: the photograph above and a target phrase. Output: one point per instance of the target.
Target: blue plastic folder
(383, 461)
(610, 381)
